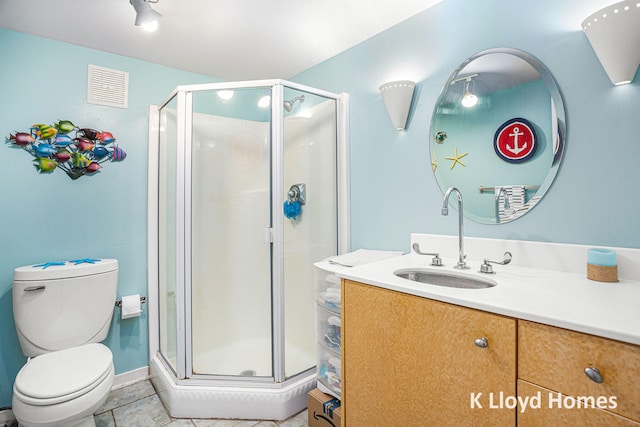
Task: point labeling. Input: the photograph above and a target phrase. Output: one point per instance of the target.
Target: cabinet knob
(594, 375)
(481, 342)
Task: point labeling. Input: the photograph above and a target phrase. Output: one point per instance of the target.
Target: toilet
(62, 312)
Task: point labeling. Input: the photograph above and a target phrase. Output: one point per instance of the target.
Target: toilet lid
(65, 372)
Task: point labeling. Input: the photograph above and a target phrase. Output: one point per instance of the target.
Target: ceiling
(227, 39)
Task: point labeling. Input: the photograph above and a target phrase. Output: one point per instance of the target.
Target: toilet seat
(60, 376)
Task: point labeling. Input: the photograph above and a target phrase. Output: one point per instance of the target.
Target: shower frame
(281, 391)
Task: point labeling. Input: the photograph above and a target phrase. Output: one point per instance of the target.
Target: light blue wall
(594, 199)
(48, 217)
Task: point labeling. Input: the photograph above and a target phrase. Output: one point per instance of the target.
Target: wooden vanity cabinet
(410, 361)
(553, 360)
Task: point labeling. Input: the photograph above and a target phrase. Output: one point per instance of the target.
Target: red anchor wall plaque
(515, 141)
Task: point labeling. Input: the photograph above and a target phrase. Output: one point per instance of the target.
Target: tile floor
(138, 405)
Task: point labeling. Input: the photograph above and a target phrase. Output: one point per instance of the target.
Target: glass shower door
(167, 237)
(230, 216)
(309, 147)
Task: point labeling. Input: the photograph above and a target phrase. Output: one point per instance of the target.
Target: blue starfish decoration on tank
(84, 261)
(46, 265)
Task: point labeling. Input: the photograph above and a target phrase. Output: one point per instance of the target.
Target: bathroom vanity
(535, 349)
(411, 361)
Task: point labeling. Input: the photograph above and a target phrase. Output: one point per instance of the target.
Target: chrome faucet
(445, 211)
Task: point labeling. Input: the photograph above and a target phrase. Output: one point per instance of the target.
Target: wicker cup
(602, 273)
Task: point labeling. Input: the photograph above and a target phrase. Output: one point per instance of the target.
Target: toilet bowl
(61, 316)
(63, 388)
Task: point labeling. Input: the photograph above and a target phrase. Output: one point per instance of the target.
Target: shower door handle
(267, 235)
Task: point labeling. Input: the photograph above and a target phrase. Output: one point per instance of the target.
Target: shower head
(288, 105)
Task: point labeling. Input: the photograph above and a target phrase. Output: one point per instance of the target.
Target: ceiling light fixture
(146, 17)
(614, 34)
(225, 94)
(264, 102)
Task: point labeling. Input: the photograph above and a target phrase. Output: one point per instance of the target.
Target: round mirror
(497, 134)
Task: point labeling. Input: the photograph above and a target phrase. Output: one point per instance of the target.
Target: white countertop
(565, 300)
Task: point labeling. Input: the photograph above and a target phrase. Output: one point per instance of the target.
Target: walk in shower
(231, 279)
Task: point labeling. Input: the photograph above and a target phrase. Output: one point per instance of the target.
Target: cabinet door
(410, 361)
(548, 409)
(556, 359)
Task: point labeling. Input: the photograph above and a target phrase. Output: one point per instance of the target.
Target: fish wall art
(53, 147)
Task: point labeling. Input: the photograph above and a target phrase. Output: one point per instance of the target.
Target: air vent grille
(107, 87)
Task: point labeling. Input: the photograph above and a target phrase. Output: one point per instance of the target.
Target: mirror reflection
(497, 134)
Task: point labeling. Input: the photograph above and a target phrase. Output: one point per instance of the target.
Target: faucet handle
(488, 269)
(436, 261)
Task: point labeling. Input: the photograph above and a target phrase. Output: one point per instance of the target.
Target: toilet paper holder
(142, 301)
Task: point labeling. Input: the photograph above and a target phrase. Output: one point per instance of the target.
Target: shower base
(239, 358)
(230, 402)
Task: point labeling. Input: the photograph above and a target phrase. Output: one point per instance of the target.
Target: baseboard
(127, 378)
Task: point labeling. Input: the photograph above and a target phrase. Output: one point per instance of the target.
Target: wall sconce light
(397, 98)
(146, 17)
(469, 99)
(614, 34)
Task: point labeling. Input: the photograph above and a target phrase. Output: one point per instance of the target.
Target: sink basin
(444, 279)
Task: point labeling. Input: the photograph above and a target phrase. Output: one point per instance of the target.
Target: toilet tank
(58, 305)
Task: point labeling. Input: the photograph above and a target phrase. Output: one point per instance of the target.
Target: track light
(146, 17)
(469, 99)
